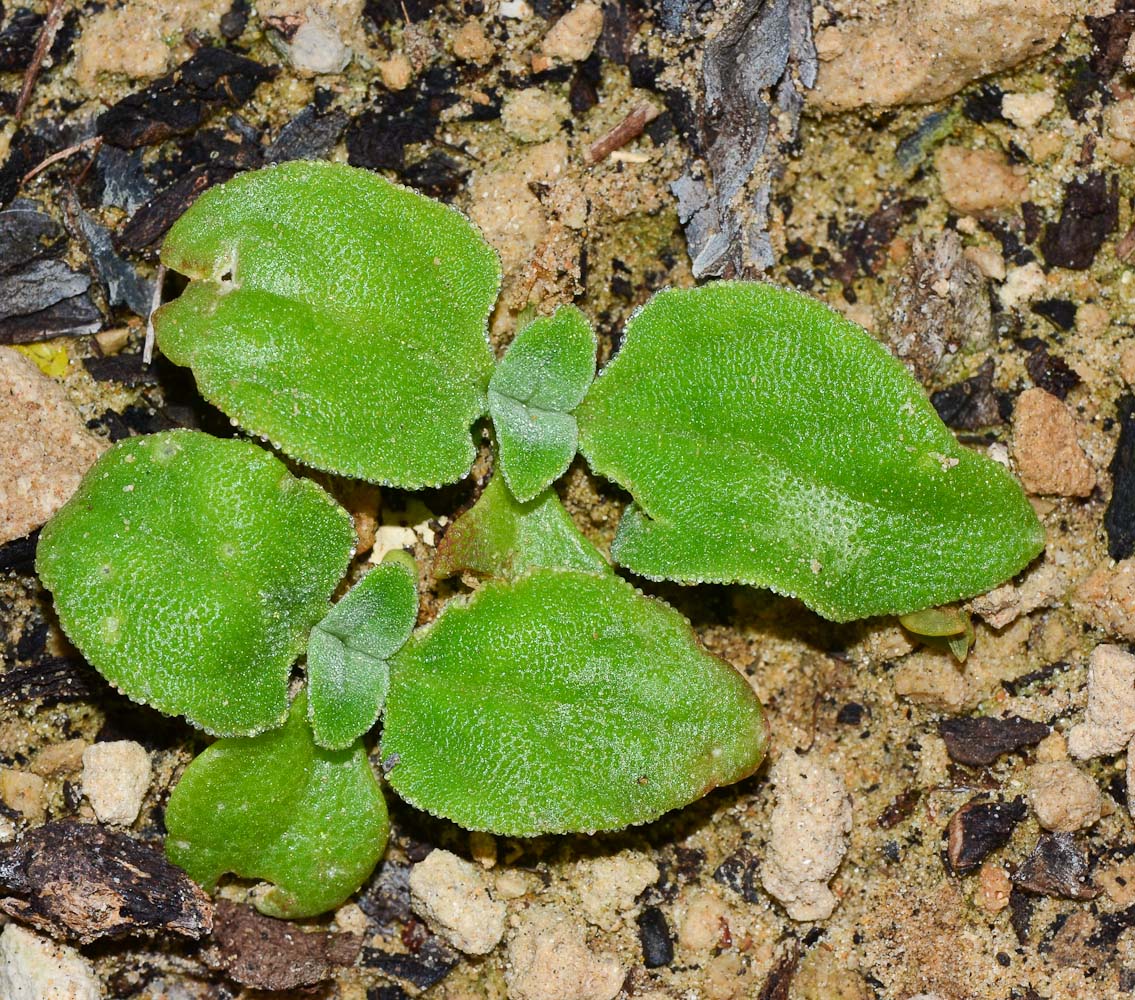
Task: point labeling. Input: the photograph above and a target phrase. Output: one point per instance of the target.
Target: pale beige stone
(1022, 285)
(396, 72)
(116, 775)
(703, 921)
(1106, 598)
(1092, 319)
(23, 792)
(36, 968)
(59, 758)
(1046, 449)
(932, 679)
(1063, 797)
(978, 180)
(1026, 110)
(1127, 364)
(574, 35)
(471, 43)
(533, 115)
(608, 886)
(1109, 720)
(452, 897)
(918, 51)
(549, 959)
(993, 888)
(808, 839)
(1042, 587)
(45, 447)
(987, 260)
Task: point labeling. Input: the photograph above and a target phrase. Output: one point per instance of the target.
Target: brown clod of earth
(83, 882)
(45, 448)
(978, 829)
(1049, 458)
(269, 954)
(979, 742)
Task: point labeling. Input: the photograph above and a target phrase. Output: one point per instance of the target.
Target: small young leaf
(499, 536)
(766, 440)
(277, 807)
(564, 701)
(338, 315)
(347, 672)
(188, 571)
(543, 376)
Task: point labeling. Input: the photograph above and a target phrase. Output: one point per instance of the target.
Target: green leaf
(766, 440)
(277, 807)
(543, 376)
(347, 672)
(338, 315)
(188, 571)
(564, 701)
(498, 536)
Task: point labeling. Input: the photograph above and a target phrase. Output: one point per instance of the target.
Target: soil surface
(957, 181)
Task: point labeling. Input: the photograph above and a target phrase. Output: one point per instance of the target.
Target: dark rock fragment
(741, 873)
(176, 104)
(127, 369)
(1059, 312)
(1119, 518)
(978, 829)
(269, 954)
(311, 135)
(51, 681)
(971, 404)
(438, 175)
(1051, 372)
(778, 982)
(1057, 867)
(1089, 215)
(25, 150)
(124, 182)
(654, 936)
(850, 714)
(18, 556)
(151, 222)
(386, 898)
(1020, 913)
(84, 882)
(122, 283)
(432, 962)
(235, 20)
(45, 299)
(18, 39)
(1110, 35)
(899, 809)
(979, 742)
(866, 242)
(27, 235)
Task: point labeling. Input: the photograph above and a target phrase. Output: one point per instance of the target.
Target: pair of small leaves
(543, 376)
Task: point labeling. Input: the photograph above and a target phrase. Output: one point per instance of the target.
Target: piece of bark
(971, 404)
(1057, 867)
(1090, 213)
(269, 954)
(429, 964)
(1119, 518)
(981, 741)
(1051, 373)
(900, 808)
(778, 982)
(978, 829)
(52, 681)
(176, 104)
(84, 882)
(151, 222)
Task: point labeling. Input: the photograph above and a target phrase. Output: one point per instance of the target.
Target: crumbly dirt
(509, 123)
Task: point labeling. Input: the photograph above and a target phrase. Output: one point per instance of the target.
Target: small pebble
(1109, 720)
(1050, 461)
(975, 181)
(116, 776)
(574, 35)
(1025, 110)
(23, 792)
(36, 968)
(531, 115)
(1063, 797)
(470, 43)
(549, 959)
(452, 897)
(396, 72)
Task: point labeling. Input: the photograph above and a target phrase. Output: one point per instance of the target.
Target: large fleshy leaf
(347, 672)
(279, 808)
(766, 440)
(563, 701)
(338, 315)
(540, 380)
(188, 570)
(499, 536)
